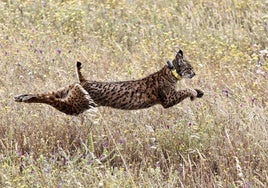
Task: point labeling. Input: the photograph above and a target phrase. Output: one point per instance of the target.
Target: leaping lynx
(157, 88)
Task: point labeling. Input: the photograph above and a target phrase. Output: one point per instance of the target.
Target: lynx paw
(199, 93)
(24, 98)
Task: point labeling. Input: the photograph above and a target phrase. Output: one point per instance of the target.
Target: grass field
(220, 140)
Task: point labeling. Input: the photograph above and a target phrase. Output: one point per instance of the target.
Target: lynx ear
(179, 58)
(179, 54)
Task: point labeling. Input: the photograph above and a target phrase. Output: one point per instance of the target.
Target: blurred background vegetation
(217, 141)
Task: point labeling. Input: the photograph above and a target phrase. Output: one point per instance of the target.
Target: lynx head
(182, 66)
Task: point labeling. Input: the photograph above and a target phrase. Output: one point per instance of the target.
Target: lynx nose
(192, 75)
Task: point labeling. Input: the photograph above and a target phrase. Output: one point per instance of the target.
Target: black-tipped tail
(79, 74)
(79, 65)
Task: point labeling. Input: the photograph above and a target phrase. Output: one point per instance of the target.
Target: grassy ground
(217, 141)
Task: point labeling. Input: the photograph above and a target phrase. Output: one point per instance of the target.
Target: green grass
(219, 140)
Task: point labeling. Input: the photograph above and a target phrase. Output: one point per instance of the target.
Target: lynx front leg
(172, 97)
(71, 100)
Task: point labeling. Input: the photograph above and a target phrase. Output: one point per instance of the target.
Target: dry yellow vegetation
(220, 140)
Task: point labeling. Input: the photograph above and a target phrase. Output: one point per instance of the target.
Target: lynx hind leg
(77, 101)
(71, 100)
(78, 70)
(47, 98)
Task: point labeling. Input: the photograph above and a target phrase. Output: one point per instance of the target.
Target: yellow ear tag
(174, 72)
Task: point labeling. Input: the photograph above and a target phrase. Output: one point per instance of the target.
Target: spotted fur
(157, 88)
(71, 100)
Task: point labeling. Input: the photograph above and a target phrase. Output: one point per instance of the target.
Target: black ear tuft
(78, 64)
(180, 54)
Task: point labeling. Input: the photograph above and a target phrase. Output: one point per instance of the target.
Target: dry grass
(217, 141)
